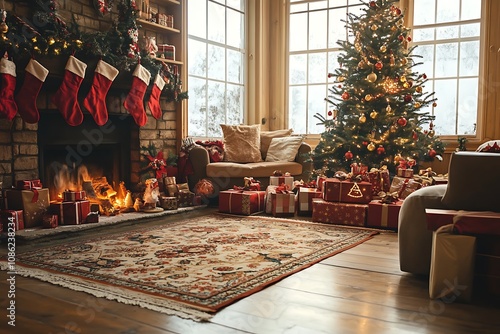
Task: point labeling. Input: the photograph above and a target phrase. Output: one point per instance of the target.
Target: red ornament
(373, 4)
(415, 135)
(398, 11)
(379, 65)
(348, 155)
(402, 121)
(401, 38)
(345, 96)
(330, 113)
(330, 75)
(396, 78)
(408, 38)
(432, 153)
(380, 150)
(365, 143)
(424, 76)
(407, 98)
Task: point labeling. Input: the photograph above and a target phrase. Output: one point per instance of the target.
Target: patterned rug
(190, 268)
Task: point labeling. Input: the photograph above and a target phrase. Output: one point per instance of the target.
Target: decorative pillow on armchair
(267, 136)
(284, 149)
(242, 143)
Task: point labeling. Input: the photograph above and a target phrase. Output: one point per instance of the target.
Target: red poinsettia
(158, 164)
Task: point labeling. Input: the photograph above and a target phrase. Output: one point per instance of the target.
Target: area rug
(191, 268)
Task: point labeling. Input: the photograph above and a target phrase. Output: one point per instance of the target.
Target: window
(314, 29)
(216, 65)
(447, 33)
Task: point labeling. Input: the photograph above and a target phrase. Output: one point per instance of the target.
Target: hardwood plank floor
(360, 290)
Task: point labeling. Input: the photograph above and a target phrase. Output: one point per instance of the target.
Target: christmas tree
(377, 98)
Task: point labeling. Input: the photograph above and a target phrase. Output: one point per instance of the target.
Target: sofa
(226, 174)
(473, 185)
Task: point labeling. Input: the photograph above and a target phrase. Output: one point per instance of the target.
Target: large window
(447, 33)
(448, 36)
(216, 65)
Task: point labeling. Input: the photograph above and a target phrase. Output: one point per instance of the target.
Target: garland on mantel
(48, 34)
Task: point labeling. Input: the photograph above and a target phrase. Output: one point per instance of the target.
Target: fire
(111, 199)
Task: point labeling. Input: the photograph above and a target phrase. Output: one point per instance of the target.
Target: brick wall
(19, 154)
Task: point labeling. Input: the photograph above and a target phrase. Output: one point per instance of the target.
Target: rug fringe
(121, 295)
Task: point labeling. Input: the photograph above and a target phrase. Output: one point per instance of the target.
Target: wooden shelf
(169, 61)
(157, 27)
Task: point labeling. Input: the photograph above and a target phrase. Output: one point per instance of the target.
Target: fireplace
(66, 154)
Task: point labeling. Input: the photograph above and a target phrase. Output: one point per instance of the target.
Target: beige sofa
(473, 185)
(224, 175)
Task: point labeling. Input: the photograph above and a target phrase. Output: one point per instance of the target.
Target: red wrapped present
(50, 221)
(241, 202)
(380, 180)
(358, 169)
(92, 217)
(169, 202)
(335, 190)
(71, 213)
(404, 186)
(283, 203)
(33, 203)
(72, 196)
(404, 172)
(383, 214)
(279, 180)
(12, 219)
(466, 222)
(185, 198)
(268, 198)
(304, 199)
(338, 213)
(29, 184)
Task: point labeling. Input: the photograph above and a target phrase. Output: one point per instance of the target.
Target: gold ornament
(419, 89)
(406, 85)
(392, 129)
(33, 39)
(78, 43)
(370, 147)
(404, 61)
(4, 28)
(383, 48)
(372, 77)
(388, 109)
(340, 78)
(431, 133)
(417, 105)
(373, 114)
(362, 64)
(368, 97)
(357, 46)
(374, 27)
(362, 119)
(402, 79)
(434, 104)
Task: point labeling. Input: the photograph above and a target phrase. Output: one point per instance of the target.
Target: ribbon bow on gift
(388, 198)
(427, 172)
(407, 164)
(341, 175)
(283, 189)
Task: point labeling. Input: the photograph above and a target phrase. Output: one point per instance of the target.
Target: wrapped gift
(358, 169)
(241, 202)
(92, 217)
(319, 182)
(283, 204)
(29, 184)
(161, 19)
(72, 196)
(440, 179)
(166, 51)
(335, 190)
(174, 189)
(452, 265)
(279, 180)
(34, 204)
(380, 180)
(170, 21)
(71, 213)
(383, 214)
(268, 198)
(304, 199)
(185, 198)
(466, 222)
(404, 172)
(12, 219)
(50, 220)
(169, 202)
(338, 213)
(404, 186)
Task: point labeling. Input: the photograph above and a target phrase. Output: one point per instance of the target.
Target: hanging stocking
(134, 103)
(27, 95)
(66, 97)
(8, 106)
(95, 102)
(154, 99)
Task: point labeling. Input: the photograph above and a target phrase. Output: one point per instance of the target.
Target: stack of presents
(361, 197)
(177, 195)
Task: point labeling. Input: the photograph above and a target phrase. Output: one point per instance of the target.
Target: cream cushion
(284, 149)
(226, 170)
(267, 136)
(241, 143)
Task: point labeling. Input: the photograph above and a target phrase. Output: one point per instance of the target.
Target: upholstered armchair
(473, 185)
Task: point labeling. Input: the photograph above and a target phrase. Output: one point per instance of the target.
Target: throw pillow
(284, 148)
(215, 149)
(242, 143)
(267, 136)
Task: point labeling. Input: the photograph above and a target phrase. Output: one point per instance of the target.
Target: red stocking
(8, 106)
(66, 97)
(154, 99)
(27, 95)
(95, 102)
(134, 103)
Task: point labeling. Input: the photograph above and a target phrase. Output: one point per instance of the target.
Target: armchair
(473, 185)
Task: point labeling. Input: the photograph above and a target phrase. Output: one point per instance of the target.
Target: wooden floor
(360, 290)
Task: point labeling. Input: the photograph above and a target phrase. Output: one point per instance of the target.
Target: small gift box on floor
(72, 196)
(319, 182)
(186, 198)
(169, 203)
(304, 199)
(34, 203)
(278, 180)
(452, 265)
(338, 213)
(241, 202)
(335, 190)
(50, 221)
(283, 203)
(12, 219)
(71, 213)
(268, 198)
(383, 214)
(380, 180)
(404, 186)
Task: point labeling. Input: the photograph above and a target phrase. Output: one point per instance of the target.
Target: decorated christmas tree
(380, 112)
